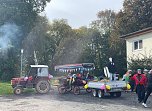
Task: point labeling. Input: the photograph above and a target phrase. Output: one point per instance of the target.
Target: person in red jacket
(140, 82)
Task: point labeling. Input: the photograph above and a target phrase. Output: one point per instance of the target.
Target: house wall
(140, 53)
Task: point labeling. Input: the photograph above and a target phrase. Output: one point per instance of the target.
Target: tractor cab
(37, 72)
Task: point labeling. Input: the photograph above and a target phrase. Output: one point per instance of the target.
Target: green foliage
(108, 43)
(138, 63)
(9, 65)
(5, 88)
(24, 14)
(136, 15)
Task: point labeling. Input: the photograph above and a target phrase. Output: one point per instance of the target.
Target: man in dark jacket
(149, 88)
(140, 81)
(112, 69)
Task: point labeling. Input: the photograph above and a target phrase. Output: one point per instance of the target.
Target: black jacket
(149, 81)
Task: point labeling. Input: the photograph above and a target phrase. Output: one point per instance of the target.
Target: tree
(136, 15)
(110, 43)
(105, 21)
(23, 14)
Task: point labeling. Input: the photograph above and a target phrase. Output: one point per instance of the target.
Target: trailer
(113, 87)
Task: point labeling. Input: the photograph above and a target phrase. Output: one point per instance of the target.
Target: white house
(139, 44)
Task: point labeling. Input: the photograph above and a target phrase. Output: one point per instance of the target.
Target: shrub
(140, 63)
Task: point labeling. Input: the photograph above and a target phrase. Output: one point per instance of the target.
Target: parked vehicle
(113, 87)
(38, 78)
(76, 79)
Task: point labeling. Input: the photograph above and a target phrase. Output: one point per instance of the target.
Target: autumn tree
(136, 15)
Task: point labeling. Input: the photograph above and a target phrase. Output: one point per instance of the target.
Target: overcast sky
(80, 12)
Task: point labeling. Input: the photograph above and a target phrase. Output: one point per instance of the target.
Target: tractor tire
(18, 90)
(62, 89)
(100, 93)
(42, 87)
(76, 90)
(94, 92)
(118, 94)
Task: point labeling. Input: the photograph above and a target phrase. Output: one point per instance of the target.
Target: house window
(138, 45)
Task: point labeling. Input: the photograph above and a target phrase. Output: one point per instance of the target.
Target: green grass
(5, 88)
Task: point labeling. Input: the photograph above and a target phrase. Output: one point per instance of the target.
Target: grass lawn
(5, 88)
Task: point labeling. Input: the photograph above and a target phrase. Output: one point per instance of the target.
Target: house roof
(137, 33)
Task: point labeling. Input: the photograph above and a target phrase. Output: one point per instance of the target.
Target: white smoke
(8, 34)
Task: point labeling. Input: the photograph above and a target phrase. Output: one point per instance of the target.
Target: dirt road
(70, 102)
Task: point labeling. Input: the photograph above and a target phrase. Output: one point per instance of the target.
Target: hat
(138, 69)
(129, 70)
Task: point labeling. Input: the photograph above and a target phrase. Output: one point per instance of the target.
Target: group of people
(80, 79)
(141, 83)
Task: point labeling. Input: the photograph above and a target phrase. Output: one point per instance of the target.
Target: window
(138, 45)
(43, 71)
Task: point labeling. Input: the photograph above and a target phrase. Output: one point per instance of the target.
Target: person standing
(132, 83)
(145, 72)
(126, 76)
(149, 88)
(112, 69)
(140, 82)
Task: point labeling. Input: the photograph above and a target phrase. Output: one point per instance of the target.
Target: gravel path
(70, 102)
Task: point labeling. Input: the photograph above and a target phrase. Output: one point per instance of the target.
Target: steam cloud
(8, 35)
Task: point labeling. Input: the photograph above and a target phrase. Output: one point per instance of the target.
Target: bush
(137, 63)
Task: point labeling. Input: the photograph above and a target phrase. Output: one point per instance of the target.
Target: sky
(79, 12)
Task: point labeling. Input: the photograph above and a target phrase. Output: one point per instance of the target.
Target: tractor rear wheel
(18, 90)
(42, 87)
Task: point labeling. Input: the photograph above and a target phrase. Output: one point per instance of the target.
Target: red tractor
(38, 78)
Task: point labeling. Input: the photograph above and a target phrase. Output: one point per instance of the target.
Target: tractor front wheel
(42, 87)
(18, 90)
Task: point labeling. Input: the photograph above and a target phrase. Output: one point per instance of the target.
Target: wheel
(76, 90)
(62, 89)
(94, 92)
(112, 94)
(118, 94)
(42, 87)
(100, 93)
(88, 90)
(18, 90)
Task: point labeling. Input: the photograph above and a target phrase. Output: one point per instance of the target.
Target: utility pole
(21, 62)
